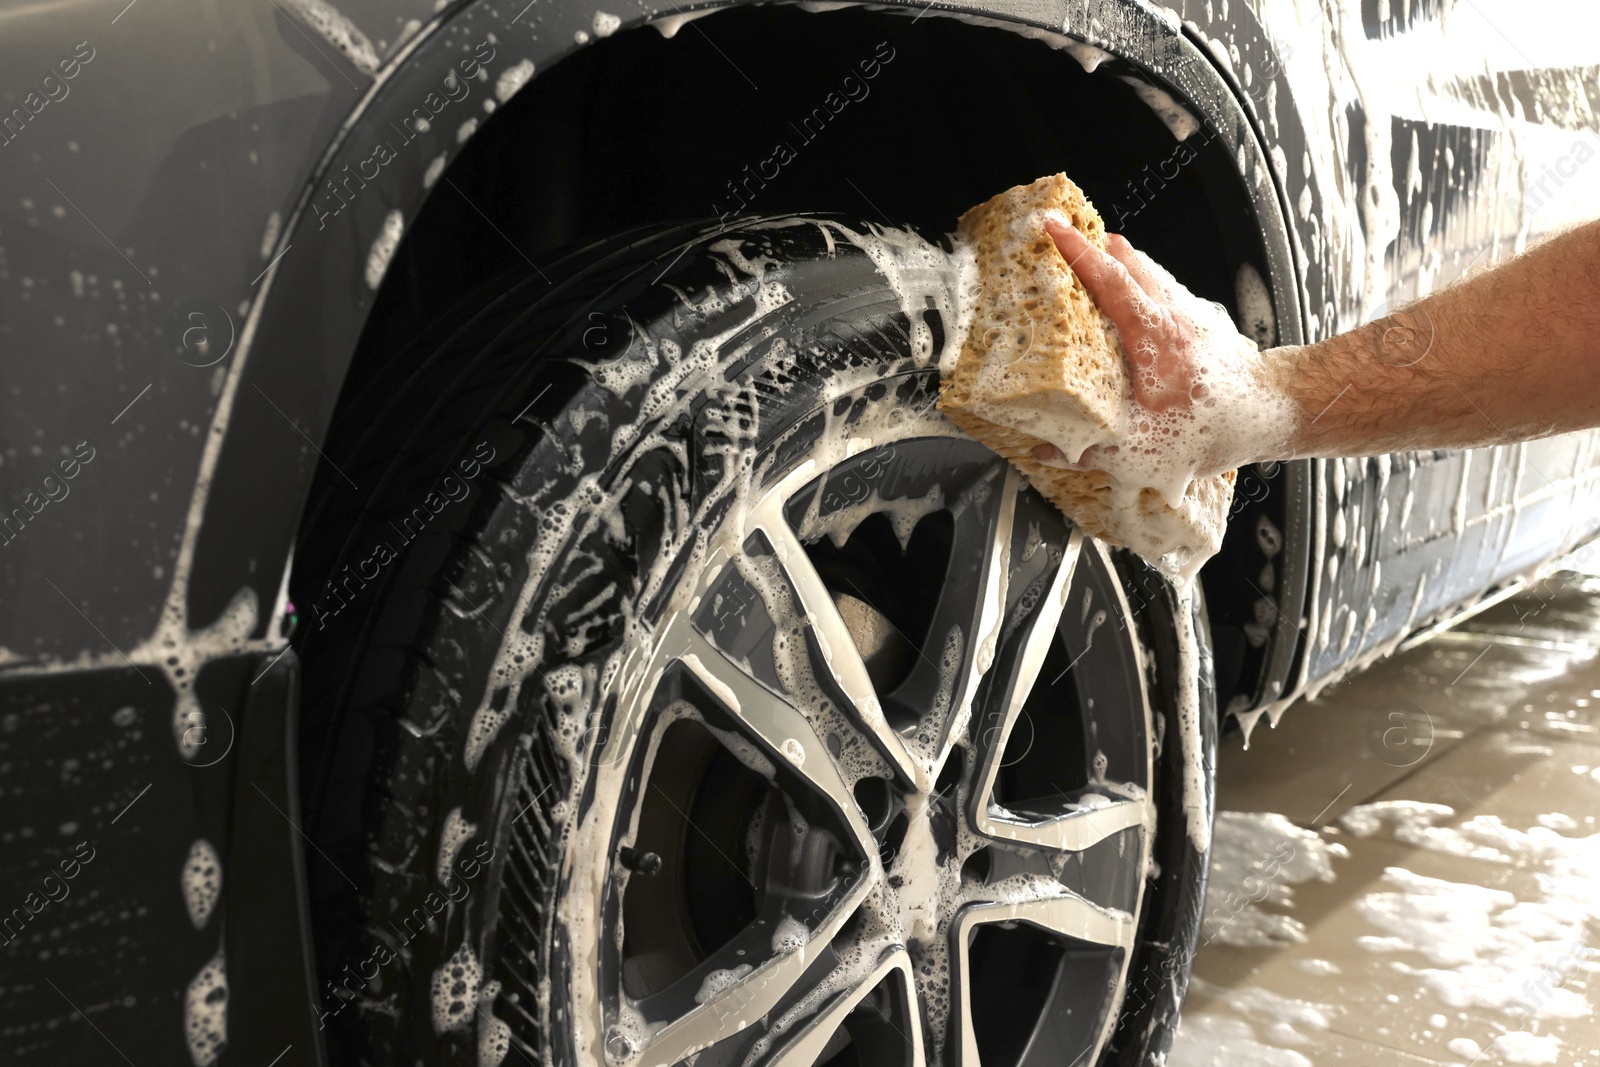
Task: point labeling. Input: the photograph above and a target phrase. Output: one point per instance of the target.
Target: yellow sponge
(1042, 364)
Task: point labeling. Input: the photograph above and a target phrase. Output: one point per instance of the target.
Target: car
(485, 576)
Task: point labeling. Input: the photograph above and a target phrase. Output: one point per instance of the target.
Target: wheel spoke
(783, 730)
(1075, 830)
(805, 1048)
(1060, 915)
(1017, 673)
(1053, 909)
(745, 979)
(741, 998)
(966, 623)
(836, 648)
(1089, 817)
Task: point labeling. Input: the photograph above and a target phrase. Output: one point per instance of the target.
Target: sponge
(1042, 364)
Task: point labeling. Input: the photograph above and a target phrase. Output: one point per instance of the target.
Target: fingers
(1109, 282)
(1145, 303)
(1151, 276)
(1048, 453)
(1093, 457)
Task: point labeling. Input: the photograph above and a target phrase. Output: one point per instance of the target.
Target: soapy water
(1212, 1040)
(1505, 966)
(1256, 861)
(1258, 858)
(202, 882)
(205, 1012)
(1525, 957)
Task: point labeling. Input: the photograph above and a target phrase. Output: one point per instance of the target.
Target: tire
(670, 605)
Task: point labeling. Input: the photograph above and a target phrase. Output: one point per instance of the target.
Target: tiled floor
(1445, 912)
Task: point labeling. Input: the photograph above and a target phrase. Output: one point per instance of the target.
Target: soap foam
(201, 881)
(455, 990)
(205, 1012)
(455, 833)
(1257, 859)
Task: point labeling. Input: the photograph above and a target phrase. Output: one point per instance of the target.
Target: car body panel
(1414, 148)
(184, 288)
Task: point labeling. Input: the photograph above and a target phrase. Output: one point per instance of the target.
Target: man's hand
(1152, 311)
(1168, 333)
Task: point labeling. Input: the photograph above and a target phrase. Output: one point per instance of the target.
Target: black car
(485, 580)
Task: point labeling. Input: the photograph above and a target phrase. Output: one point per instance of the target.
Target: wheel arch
(339, 270)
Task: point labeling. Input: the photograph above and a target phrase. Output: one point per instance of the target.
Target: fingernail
(1058, 221)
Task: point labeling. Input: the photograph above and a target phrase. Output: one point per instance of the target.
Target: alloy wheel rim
(938, 876)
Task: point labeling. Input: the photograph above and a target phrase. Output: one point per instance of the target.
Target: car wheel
(739, 709)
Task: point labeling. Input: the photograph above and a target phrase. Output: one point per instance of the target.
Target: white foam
(383, 247)
(791, 935)
(1321, 968)
(1174, 115)
(1287, 1019)
(1257, 318)
(269, 241)
(903, 514)
(338, 31)
(201, 882)
(494, 1040)
(512, 79)
(717, 981)
(1484, 948)
(1088, 56)
(1520, 1046)
(205, 1012)
(1257, 858)
(455, 990)
(669, 25)
(1413, 823)
(1207, 1040)
(435, 169)
(455, 833)
(920, 274)
(1197, 782)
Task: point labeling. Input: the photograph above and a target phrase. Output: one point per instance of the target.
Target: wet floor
(1407, 869)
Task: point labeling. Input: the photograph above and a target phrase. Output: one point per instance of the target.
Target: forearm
(1509, 354)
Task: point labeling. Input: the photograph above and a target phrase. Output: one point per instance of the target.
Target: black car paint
(152, 314)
